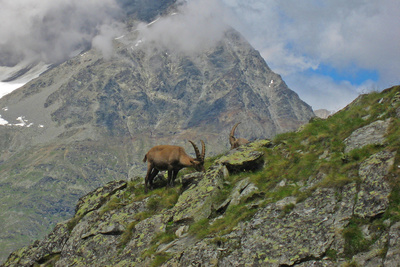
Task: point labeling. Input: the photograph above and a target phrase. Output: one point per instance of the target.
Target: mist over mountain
(54, 31)
(172, 75)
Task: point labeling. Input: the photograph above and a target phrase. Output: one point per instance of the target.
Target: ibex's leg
(174, 174)
(170, 178)
(152, 176)
(147, 179)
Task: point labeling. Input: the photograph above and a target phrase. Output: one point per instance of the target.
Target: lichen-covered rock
(196, 202)
(142, 235)
(393, 254)
(373, 133)
(178, 245)
(245, 158)
(97, 198)
(202, 253)
(272, 238)
(372, 257)
(373, 197)
(242, 190)
(40, 250)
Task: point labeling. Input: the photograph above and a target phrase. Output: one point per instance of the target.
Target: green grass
(160, 258)
(127, 235)
(223, 225)
(160, 238)
(355, 241)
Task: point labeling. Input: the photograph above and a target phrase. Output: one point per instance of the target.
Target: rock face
(323, 113)
(92, 119)
(271, 237)
(373, 133)
(341, 213)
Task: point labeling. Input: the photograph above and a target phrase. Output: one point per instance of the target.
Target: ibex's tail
(145, 158)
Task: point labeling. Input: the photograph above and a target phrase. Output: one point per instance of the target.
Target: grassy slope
(318, 148)
(297, 157)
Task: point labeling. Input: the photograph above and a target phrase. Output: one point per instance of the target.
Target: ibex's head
(198, 162)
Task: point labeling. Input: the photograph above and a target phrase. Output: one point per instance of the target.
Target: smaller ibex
(236, 142)
(172, 159)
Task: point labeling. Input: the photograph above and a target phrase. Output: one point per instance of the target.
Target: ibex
(172, 159)
(236, 142)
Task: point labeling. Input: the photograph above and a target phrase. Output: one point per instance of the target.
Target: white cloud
(294, 36)
(197, 25)
(104, 40)
(322, 92)
(50, 30)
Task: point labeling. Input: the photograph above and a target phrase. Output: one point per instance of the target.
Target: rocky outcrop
(373, 133)
(373, 197)
(118, 225)
(323, 113)
(245, 158)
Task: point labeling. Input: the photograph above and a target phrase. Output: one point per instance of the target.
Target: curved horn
(233, 129)
(196, 149)
(203, 150)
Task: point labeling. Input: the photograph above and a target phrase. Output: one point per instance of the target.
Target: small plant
(200, 228)
(73, 222)
(154, 204)
(224, 225)
(336, 180)
(160, 258)
(113, 204)
(288, 208)
(351, 264)
(160, 238)
(355, 241)
(332, 254)
(127, 235)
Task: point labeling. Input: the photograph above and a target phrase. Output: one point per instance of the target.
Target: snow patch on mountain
(12, 78)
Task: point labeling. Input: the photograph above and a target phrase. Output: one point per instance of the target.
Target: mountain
(325, 195)
(323, 113)
(91, 119)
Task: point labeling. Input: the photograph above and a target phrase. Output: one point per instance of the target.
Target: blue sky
(352, 74)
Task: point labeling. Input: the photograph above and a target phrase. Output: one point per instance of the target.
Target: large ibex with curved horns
(236, 142)
(172, 159)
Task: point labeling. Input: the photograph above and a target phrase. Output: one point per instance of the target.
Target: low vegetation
(298, 157)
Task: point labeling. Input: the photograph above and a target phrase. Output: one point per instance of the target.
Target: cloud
(322, 92)
(197, 25)
(50, 30)
(295, 36)
(104, 40)
(337, 31)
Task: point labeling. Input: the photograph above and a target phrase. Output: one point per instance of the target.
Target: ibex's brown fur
(172, 159)
(236, 142)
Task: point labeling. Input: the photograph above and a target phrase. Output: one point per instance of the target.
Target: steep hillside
(325, 195)
(91, 119)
